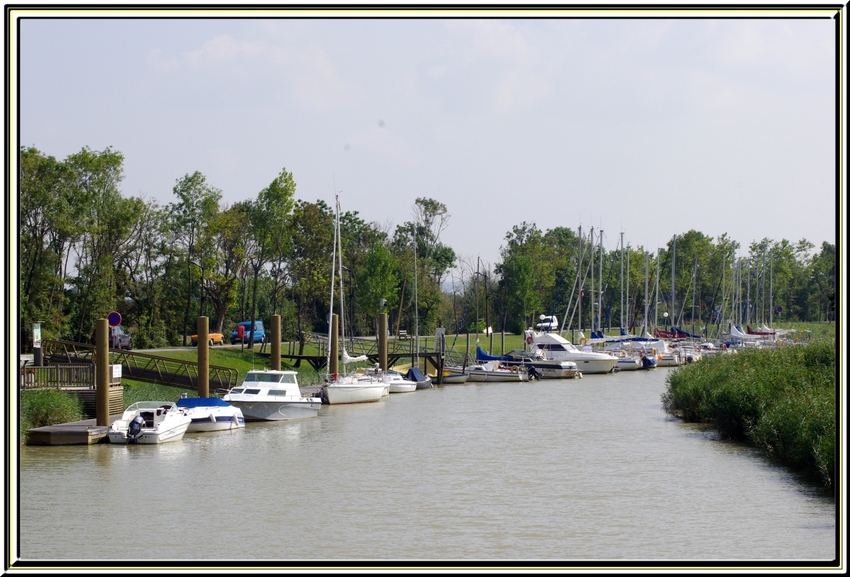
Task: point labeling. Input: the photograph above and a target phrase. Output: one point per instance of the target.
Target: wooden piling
(203, 357)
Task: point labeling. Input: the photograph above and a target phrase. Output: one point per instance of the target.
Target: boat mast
(673, 285)
(694, 299)
(646, 295)
(333, 278)
(628, 318)
(341, 291)
(621, 279)
(580, 278)
(599, 307)
(592, 282)
(657, 274)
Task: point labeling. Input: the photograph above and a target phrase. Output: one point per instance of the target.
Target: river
(572, 471)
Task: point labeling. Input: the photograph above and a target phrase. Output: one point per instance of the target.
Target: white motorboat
(399, 384)
(149, 423)
(553, 346)
(269, 395)
(211, 414)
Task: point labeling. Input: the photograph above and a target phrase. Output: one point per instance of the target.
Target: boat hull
(402, 387)
(149, 437)
(279, 410)
(455, 379)
(346, 394)
(210, 424)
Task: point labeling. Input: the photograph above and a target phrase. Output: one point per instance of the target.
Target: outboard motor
(134, 430)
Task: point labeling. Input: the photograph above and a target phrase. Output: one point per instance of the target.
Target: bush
(44, 407)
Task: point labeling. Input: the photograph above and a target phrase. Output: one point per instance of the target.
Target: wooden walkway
(77, 433)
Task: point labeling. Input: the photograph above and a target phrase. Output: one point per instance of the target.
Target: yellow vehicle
(215, 339)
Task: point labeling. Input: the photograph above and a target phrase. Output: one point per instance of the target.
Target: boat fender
(654, 351)
(579, 375)
(582, 341)
(723, 346)
(623, 354)
(529, 340)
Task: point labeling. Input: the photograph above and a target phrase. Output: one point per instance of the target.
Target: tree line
(86, 250)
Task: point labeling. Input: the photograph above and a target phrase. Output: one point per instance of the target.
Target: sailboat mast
(621, 280)
(673, 284)
(333, 278)
(580, 277)
(599, 307)
(657, 274)
(646, 295)
(592, 281)
(341, 291)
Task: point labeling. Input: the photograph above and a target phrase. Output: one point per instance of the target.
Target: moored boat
(535, 364)
(149, 423)
(211, 414)
(553, 346)
(270, 395)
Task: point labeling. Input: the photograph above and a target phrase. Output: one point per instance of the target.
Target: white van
(547, 323)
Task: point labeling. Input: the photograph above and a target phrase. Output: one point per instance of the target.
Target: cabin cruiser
(149, 423)
(537, 366)
(272, 395)
(553, 346)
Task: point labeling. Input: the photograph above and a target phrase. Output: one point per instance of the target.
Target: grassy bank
(780, 400)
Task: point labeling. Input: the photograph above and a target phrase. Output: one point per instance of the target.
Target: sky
(648, 127)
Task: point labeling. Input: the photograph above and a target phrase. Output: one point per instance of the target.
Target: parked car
(547, 323)
(245, 334)
(215, 339)
(118, 338)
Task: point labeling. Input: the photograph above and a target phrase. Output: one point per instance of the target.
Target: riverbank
(781, 400)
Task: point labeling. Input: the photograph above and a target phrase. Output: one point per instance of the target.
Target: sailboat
(359, 386)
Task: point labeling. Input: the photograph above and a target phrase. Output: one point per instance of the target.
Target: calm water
(588, 469)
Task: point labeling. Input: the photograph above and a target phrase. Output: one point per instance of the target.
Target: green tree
(47, 229)
(198, 203)
(269, 217)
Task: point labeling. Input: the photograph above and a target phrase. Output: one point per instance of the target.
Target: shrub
(44, 407)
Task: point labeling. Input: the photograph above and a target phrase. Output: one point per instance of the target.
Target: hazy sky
(646, 126)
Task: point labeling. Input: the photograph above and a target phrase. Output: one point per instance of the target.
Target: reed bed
(781, 400)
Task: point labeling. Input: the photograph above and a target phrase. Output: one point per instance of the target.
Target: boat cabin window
(270, 378)
(553, 347)
(252, 391)
(279, 392)
(235, 391)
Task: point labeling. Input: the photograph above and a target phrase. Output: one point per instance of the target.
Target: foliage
(44, 407)
(86, 250)
(780, 399)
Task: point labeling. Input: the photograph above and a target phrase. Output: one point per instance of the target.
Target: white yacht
(267, 395)
(553, 346)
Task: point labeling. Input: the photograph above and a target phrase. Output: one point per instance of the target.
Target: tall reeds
(780, 399)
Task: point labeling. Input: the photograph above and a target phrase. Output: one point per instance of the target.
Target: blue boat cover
(414, 374)
(202, 402)
(482, 356)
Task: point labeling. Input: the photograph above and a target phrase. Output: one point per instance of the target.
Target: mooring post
(101, 375)
(275, 342)
(382, 341)
(333, 366)
(203, 357)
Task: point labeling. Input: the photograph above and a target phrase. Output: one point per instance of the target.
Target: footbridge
(140, 366)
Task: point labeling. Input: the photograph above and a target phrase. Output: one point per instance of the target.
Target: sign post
(37, 355)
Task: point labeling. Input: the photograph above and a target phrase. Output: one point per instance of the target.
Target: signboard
(36, 335)
(114, 319)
